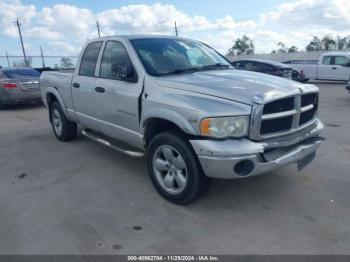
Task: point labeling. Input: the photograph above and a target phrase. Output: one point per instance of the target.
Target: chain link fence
(285, 57)
(38, 61)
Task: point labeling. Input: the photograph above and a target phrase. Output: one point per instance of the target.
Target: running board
(102, 140)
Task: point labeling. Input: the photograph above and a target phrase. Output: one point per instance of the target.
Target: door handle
(76, 85)
(100, 89)
(334, 68)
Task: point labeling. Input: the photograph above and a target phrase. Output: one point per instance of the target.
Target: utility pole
(7, 58)
(42, 57)
(176, 30)
(98, 28)
(18, 24)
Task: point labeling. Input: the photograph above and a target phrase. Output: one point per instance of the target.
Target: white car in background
(330, 66)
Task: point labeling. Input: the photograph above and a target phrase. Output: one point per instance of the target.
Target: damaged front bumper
(239, 158)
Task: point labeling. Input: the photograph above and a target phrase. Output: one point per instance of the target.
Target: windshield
(21, 73)
(163, 56)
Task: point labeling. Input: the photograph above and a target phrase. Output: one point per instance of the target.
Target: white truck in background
(330, 66)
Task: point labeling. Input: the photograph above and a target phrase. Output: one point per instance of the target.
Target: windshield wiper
(215, 66)
(194, 69)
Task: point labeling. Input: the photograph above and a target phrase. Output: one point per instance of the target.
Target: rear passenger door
(83, 87)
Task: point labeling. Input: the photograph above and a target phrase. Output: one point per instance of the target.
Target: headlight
(221, 127)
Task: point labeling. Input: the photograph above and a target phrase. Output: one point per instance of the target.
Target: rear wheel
(174, 169)
(304, 80)
(63, 129)
(2, 106)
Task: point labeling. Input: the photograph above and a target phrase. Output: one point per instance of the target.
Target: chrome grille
(283, 116)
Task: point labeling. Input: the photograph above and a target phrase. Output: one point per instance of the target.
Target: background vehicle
(187, 108)
(267, 67)
(330, 66)
(19, 85)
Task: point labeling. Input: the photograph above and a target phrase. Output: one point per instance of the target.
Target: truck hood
(241, 86)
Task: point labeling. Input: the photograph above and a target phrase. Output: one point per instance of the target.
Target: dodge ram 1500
(182, 105)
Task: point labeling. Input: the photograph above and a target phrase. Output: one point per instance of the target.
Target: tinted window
(21, 73)
(239, 65)
(89, 59)
(250, 66)
(261, 67)
(341, 60)
(114, 53)
(327, 60)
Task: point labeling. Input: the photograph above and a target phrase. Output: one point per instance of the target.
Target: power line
(18, 24)
(42, 57)
(176, 30)
(98, 28)
(7, 58)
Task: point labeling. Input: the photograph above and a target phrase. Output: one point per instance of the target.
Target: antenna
(18, 24)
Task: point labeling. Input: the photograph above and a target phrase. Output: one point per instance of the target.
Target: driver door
(116, 98)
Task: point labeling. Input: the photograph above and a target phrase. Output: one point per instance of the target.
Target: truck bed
(59, 80)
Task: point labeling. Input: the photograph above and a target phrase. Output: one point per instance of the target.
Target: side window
(249, 66)
(261, 67)
(239, 65)
(89, 59)
(341, 60)
(114, 56)
(327, 60)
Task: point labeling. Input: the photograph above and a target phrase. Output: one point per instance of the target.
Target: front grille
(284, 115)
(272, 126)
(285, 104)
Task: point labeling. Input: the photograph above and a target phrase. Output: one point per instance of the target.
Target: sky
(61, 26)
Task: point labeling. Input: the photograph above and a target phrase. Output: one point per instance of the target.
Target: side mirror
(346, 65)
(124, 72)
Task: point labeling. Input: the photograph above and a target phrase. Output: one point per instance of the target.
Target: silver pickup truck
(184, 106)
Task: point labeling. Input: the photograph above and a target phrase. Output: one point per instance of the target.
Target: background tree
(66, 62)
(293, 49)
(328, 43)
(283, 49)
(314, 45)
(242, 46)
(22, 63)
(343, 42)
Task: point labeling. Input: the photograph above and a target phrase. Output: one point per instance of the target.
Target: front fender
(169, 115)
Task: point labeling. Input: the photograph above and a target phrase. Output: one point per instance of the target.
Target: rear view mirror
(124, 72)
(346, 65)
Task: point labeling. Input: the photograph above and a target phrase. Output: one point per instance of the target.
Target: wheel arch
(155, 125)
(52, 96)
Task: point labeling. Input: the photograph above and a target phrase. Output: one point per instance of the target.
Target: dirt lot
(83, 198)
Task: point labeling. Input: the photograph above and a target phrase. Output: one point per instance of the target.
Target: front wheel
(174, 169)
(63, 129)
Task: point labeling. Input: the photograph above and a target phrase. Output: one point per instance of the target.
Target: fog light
(244, 167)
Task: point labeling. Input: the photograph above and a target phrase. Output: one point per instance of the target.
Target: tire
(303, 80)
(63, 129)
(175, 170)
(2, 106)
